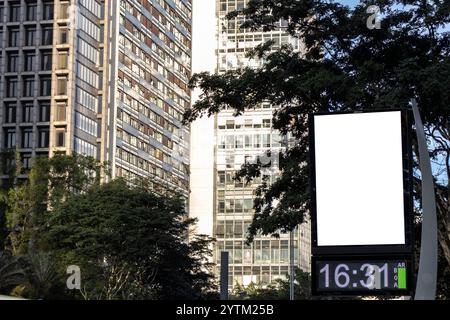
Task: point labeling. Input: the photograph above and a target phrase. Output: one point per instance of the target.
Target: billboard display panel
(359, 179)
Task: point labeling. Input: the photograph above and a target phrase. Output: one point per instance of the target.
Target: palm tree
(11, 272)
(42, 273)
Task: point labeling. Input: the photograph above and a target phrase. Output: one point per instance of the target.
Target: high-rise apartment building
(103, 78)
(237, 140)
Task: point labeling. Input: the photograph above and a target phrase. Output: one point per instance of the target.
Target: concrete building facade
(107, 79)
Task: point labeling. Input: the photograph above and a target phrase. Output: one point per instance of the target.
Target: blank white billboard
(359, 179)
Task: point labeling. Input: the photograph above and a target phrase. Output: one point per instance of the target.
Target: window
(27, 112)
(257, 252)
(93, 6)
(30, 36)
(60, 137)
(88, 51)
(240, 5)
(87, 75)
(238, 205)
(14, 37)
(30, 61)
(13, 62)
(60, 112)
(266, 140)
(61, 86)
(257, 141)
(228, 229)
(221, 142)
(86, 99)
(230, 160)
(221, 206)
(47, 36)
(229, 206)
(28, 86)
(27, 138)
(84, 147)
(284, 252)
(14, 12)
(247, 254)
(275, 251)
(44, 138)
(238, 229)
(46, 86)
(89, 27)
(248, 205)
(44, 112)
(31, 12)
(276, 140)
(11, 87)
(90, 126)
(63, 35)
(265, 251)
(10, 138)
(46, 60)
(26, 161)
(239, 142)
(64, 10)
(230, 142)
(10, 113)
(223, 5)
(248, 141)
(63, 57)
(230, 124)
(220, 229)
(47, 11)
(221, 179)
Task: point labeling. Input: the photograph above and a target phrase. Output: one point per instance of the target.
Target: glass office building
(103, 78)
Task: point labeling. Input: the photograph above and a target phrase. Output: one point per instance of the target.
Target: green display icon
(401, 276)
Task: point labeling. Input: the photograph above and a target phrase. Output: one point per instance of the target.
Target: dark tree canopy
(342, 66)
(128, 241)
(130, 244)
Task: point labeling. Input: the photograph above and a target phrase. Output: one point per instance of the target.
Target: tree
(43, 277)
(278, 290)
(6, 167)
(130, 244)
(11, 272)
(344, 66)
(51, 180)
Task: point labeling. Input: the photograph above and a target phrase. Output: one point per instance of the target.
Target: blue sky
(348, 2)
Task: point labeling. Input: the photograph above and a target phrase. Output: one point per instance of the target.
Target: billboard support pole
(291, 266)
(224, 257)
(426, 278)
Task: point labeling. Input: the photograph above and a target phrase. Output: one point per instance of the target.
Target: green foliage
(11, 272)
(278, 290)
(17, 219)
(49, 182)
(129, 244)
(42, 275)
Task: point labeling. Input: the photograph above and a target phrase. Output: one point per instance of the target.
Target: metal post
(426, 278)
(291, 248)
(224, 257)
(292, 267)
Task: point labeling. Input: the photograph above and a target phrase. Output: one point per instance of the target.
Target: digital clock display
(362, 276)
